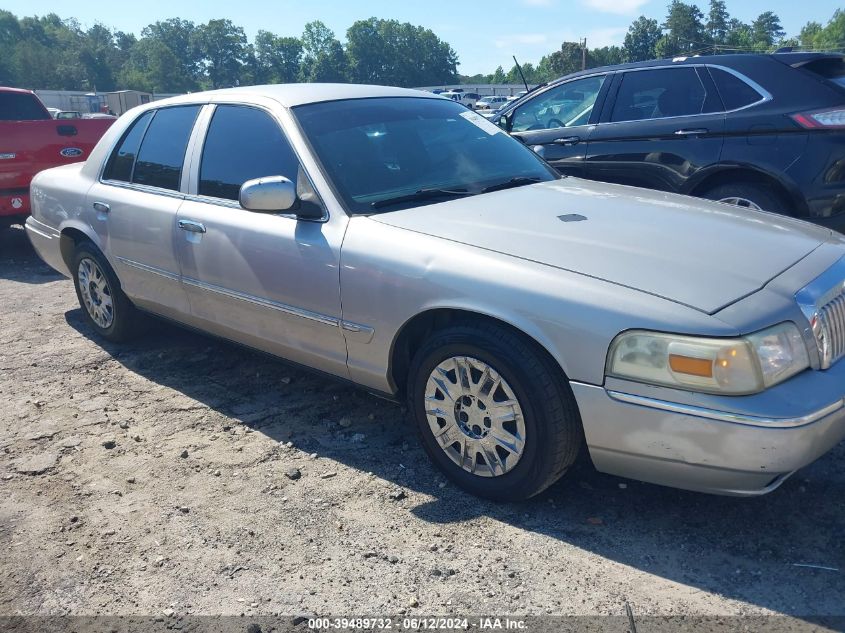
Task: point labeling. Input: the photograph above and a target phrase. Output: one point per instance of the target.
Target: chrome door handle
(567, 140)
(191, 226)
(693, 132)
(101, 207)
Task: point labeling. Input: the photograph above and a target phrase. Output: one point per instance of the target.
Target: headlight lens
(728, 366)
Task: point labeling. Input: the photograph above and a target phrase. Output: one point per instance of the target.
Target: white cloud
(597, 38)
(621, 7)
(531, 39)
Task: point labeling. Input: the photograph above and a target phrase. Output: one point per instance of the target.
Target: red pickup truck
(30, 141)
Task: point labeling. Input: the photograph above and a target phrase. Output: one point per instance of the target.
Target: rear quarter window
(122, 159)
(20, 106)
(735, 92)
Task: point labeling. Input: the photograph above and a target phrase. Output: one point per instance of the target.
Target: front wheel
(107, 309)
(493, 413)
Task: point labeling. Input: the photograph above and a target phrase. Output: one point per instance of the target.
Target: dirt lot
(183, 473)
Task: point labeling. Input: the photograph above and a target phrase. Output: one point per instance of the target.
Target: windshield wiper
(422, 194)
(513, 182)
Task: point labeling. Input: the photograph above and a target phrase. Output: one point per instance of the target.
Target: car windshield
(413, 151)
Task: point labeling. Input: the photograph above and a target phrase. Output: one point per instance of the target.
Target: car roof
(292, 95)
(17, 90)
(740, 59)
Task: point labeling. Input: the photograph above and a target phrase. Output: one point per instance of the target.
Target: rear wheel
(746, 195)
(493, 413)
(107, 309)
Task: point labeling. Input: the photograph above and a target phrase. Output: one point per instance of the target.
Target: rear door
(659, 127)
(135, 204)
(558, 121)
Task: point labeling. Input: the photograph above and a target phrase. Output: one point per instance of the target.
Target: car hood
(705, 255)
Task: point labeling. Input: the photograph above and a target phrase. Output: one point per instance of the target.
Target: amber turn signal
(693, 366)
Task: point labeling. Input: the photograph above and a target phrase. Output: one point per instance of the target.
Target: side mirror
(269, 194)
(504, 122)
(540, 150)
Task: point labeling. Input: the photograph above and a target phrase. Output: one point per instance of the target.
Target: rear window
(162, 151)
(831, 68)
(20, 106)
(734, 91)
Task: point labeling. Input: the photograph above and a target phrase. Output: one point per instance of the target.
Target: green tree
(182, 38)
(223, 47)
(498, 76)
(604, 56)
(641, 40)
(829, 37)
(323, 56)
(717, 21)
(766, 30)
(684, 31)
(278, 58)
(153, 67)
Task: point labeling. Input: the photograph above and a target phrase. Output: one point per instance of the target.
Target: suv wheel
(107, 310)
(494, 415)
(748, 196)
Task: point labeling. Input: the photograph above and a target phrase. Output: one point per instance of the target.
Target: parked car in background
(53, 112)
(31, 140)
(429, 256)
(758, 131)
(68, 114)
(491, 102)
(467, 99)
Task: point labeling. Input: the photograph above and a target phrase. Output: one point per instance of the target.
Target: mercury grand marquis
(399, 241)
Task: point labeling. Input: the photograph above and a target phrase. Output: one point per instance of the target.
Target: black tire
(553, 431)
(761, 195)
(126, 320)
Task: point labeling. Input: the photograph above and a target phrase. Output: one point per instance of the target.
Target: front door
(556, 122)
(266, 280)
(663, 126)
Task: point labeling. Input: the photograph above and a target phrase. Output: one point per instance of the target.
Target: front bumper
(696, 447)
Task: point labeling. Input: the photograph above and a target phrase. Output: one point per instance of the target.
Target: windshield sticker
(480, 121)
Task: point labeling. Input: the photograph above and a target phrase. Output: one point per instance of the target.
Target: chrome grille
(830, 329)
(823, 303)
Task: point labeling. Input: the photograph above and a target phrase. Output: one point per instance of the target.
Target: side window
(566, 105)
(656, 94)
(122, 159)
(162, 151)
(734, 91)
(243, 143)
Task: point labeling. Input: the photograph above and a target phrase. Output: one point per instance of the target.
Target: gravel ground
(183, 473)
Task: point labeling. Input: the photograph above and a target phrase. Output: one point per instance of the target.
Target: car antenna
(519, 68)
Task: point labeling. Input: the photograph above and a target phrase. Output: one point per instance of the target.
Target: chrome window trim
(726, 416)
(170, 193)
(197, 144)
(765, 95)
(148, 188)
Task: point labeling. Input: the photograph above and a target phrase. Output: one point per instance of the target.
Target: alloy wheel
(96, 293)
(475, 416)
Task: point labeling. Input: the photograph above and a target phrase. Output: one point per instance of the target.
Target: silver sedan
(394, 239)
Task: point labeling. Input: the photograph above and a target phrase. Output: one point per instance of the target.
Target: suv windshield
(400, 152)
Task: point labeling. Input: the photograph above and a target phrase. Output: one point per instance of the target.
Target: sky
(484, 34)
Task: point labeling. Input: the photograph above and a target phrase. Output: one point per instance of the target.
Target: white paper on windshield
(480, 121)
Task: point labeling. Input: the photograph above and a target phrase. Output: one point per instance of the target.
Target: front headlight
(728, 366)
